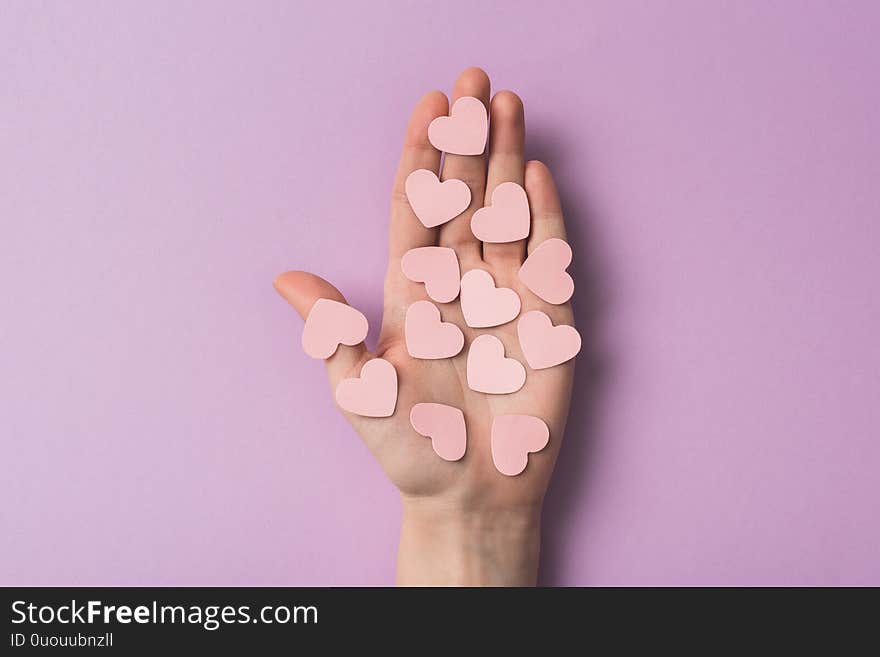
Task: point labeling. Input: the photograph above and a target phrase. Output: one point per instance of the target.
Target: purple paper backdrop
(161, 162)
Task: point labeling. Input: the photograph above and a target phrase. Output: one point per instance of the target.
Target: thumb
(301, 290)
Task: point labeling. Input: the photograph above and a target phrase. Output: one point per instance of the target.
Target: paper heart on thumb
(331, 323)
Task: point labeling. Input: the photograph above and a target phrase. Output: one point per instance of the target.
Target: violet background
(160, 162)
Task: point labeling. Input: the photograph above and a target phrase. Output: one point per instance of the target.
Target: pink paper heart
(437, 268)
(484, 305)
(329, 324)
(543, 344)
(544, 273)
(489, 371)
(428, 337)
(464, 131)
(507, 219)
(436, 202)
(374, 394)
(514, 437)
(444, 425)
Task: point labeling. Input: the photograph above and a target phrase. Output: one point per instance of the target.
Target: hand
(463, 522)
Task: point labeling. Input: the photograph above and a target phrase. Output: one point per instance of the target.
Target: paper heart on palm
(427, 336)
(444, 425)
(544, 273)
(331, 323)
(464, 131)
(484, 305)
(543, 344)
(436, 202)
(514, 437)
(507, 219)
(489, 371)
(437, 268)
(374, 394)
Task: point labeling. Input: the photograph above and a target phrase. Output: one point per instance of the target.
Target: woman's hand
(463, 522)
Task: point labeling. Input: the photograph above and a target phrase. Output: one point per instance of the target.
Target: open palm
(471, 484)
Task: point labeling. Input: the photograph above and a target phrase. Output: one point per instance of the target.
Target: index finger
(407, 232)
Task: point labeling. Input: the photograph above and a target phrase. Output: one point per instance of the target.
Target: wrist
(446, 545)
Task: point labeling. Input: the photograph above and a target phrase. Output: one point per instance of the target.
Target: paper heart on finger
(464, 131)
(544, 273)
(374, 394)
(489, 371)
(514, 437)
(331, 323)
(507, 219)
(437, 268)
(543, 344)
(427, 336)
(436, 202)
(444, 425)
(484, 305)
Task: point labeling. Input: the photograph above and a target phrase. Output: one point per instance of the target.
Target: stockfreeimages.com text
(210, 617)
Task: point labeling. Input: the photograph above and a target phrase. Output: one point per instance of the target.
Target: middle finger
(469, 168)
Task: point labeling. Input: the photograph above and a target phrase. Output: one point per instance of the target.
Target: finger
(544, 205)
(547, 222)
(469, 168)
(407, 232)
(301, 290)
(506, 164)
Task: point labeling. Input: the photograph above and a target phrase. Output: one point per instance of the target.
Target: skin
(464, 523)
